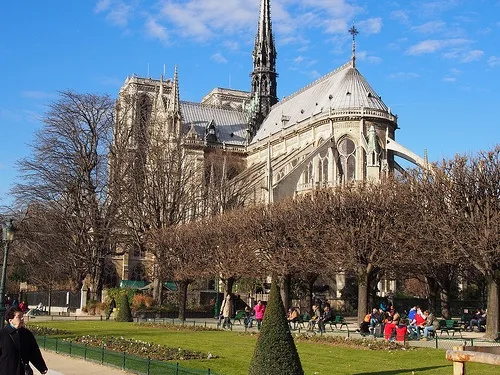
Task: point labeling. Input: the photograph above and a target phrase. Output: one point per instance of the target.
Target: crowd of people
(419, 324)
(252, 314)
(386, 321)
(383, 321)
(9, 302)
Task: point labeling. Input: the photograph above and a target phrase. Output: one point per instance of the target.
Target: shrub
(275, 351)
(46, 331)
(142, 301)
(141, 349)
(124, 313)
(94, 307)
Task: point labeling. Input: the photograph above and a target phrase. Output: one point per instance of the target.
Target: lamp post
(7, 238)
(216, 306)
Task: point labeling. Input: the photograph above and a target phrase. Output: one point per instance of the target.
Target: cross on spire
(353, 31)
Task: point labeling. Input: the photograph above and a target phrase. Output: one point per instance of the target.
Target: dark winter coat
(10, 362)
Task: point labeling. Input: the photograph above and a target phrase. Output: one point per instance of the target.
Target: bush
(275, 351)
(142, 301)
(124, 313)
(94, 307)
(139, 348)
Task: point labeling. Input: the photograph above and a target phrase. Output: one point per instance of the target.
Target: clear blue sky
(436, 63)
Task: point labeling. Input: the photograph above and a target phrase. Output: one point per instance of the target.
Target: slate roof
(230, 124)
(343, 88)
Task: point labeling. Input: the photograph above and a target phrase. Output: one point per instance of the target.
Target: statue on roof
(254, 117)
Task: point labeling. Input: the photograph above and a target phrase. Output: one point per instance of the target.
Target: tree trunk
(228, 286)
(49, 300)
(183, 286)
(445, 304)
(285, 290)
(372, 291)
(97, 282)
(309, 295)
(157, 291)
(445, 299)
(433, 293)
(493, 313)
(363, 285)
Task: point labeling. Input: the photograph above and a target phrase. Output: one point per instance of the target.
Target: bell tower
(264, 76)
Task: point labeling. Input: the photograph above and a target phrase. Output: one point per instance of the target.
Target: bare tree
(67, 174)
(158, 180)
(364, 230)
(180, 252)
(224, 188)
(274, 234)
(463, 195)
(430, 255)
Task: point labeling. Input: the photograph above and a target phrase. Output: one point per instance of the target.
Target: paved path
(60, 364)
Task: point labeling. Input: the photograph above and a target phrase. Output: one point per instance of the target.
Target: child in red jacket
(389, 328)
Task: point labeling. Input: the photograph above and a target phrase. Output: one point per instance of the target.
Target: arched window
(279, 175)
(138, 273)
(307, 175)
(110, 275)
(347, 160)
(140, 133)
(323, 167)
(325, 170)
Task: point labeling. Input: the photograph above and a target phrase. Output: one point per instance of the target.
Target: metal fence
(61, 298)
(124, 361)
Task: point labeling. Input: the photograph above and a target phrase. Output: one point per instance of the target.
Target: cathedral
(335, 130)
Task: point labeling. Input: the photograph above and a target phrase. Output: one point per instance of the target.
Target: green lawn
(235, 351)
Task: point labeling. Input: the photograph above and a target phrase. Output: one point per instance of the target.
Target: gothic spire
(353, 31)
(264, 69)
(160, 105)
(174, 108)
(175, 95)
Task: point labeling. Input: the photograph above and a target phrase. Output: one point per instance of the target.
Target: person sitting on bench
(479, 319)
(326, 317)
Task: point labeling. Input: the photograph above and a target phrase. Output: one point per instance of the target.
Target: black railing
(124, 361)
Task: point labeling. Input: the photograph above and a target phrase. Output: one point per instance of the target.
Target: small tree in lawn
(275, 351)
(124, 313)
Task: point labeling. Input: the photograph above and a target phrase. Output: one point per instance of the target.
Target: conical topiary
(275, 351)
(124, 313)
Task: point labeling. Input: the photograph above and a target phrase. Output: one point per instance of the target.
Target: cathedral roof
(230, 125)
(342, 89)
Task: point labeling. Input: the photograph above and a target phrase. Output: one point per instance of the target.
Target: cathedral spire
(353, 31)
(174, 108)
(160, 105)
(264, 74)
(176, 105)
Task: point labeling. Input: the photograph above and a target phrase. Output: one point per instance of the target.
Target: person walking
(259, 309)
(227, 311)
(18, 346)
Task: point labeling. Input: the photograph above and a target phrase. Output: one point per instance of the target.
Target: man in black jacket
(326, 317)
(18, 346)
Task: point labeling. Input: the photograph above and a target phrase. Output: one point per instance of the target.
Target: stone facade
(333, 131)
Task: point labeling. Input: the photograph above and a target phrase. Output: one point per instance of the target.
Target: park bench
(240, 315)
(465, 320)
(300, 323)
(338, 322)
(450, 325)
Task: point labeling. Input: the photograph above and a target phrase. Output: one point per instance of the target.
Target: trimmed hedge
(124, 312)
(275, 351)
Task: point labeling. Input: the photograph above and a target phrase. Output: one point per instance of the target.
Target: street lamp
(7, 238)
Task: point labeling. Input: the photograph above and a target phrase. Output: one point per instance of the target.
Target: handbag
(27, 368)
